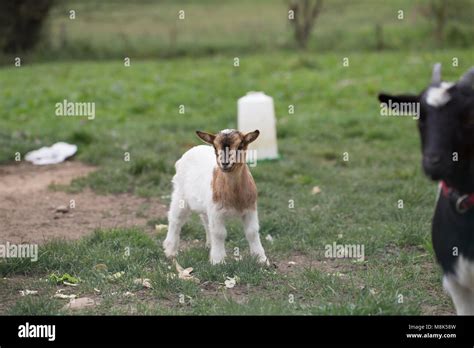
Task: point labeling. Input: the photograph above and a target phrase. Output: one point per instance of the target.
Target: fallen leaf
(230, 282)
(65, 277)
(64, 296)
(144, 282)
(115, 276)
(161, 228)
(28, 292)
(316, 190)
(69, 284)
(185, 273)
(269, 238)
(80, 303)
(97, 290)
(128, 294)
(100, 267)
(62, 209)
(291, 263)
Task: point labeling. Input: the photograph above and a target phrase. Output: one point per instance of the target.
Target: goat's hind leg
(205, 223)
(178, 214)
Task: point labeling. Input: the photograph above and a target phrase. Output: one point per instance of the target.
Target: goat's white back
(193, 177)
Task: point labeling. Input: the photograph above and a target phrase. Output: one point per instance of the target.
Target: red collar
(462, 202)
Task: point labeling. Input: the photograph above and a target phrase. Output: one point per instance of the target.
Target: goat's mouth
(227, 169)
(437, 172)
(434, 177)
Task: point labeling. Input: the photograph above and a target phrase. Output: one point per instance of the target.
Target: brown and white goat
(215, 182)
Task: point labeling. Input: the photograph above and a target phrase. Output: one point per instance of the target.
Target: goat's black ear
(401, 98)
(206, 137)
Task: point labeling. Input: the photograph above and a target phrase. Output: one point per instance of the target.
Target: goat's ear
(402, 98)
(250, 137)
(206, 137)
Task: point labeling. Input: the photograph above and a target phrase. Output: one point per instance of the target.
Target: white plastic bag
(51, 155)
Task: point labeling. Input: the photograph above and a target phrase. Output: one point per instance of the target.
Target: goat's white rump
(460, 286)
(193, 192)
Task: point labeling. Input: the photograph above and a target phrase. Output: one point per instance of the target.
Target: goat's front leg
(217, 234)
(463, 298)
(251, 227)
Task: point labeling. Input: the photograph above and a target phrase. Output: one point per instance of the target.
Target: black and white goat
(446, 125)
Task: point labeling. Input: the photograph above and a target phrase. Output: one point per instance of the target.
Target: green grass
(336, 111)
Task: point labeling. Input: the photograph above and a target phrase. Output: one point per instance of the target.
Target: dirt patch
(300, 262)
(240, 293)
(294, 263)
(29, 210)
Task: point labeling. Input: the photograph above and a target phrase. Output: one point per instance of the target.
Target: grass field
(336, 111)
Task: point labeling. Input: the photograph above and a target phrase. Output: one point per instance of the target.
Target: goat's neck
(463, 179)
(235, 189)
(237, 176)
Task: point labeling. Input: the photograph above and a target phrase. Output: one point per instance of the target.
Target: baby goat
(446, 125)
(215, 182)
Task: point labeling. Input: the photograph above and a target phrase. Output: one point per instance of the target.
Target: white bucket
(256, 111)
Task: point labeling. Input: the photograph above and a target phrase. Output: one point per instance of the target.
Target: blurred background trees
(111, 29)
(303, 15)
(444, 12)
(21, 23)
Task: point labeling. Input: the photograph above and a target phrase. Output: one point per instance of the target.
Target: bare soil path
(29, 209)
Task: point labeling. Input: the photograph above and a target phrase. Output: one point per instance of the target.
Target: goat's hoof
(169, 250)
(170, 254)
(218, 261)
(263, 260)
